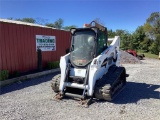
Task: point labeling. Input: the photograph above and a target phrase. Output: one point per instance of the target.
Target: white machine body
(96, 71)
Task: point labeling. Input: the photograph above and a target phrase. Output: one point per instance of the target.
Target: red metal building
(18, 45)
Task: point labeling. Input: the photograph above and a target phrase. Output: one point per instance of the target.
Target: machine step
(74, 95)
(75, 85)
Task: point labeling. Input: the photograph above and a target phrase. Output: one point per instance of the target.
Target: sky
(114, 14)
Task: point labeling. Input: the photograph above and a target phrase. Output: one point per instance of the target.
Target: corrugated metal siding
(18, 46)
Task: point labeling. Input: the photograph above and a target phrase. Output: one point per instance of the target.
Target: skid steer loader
(92, 68)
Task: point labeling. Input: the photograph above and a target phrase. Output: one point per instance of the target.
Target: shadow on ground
(24, 84)
(134, 92)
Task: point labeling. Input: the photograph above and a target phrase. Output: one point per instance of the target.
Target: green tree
(29, 20)
(126, 41)
(69, 27)
(111, 34)
(152, 30)
(58, 23)
(152, 25)
(120, 32)
(125, 37)
(49, 25)
(144, 45)
(154, 22)
(155, 46)
(138, 37)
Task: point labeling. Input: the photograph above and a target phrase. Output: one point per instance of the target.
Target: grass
(4, 74)
(53, 64)
(148, 55)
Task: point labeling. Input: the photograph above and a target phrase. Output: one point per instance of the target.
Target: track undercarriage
(110, 84)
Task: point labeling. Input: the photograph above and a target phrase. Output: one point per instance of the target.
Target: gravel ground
(128, 58)
(33, 99)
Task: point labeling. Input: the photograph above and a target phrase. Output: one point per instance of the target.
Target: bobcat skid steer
(92, 68)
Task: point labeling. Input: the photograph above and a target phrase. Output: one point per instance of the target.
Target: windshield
(83, 47)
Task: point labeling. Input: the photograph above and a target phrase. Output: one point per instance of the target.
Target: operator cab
(83, 47)
(87, 43)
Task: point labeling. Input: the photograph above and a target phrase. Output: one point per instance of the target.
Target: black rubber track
(55, 83)
(111, 83)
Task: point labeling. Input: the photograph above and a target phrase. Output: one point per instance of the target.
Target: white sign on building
(46, 43)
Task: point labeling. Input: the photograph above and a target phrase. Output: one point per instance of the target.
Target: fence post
(39, 55)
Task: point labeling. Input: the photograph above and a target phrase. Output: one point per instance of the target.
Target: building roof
(26, 23)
